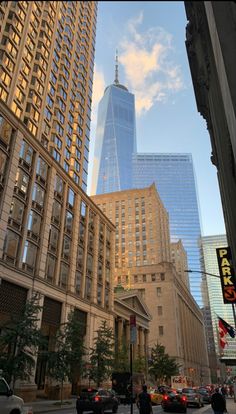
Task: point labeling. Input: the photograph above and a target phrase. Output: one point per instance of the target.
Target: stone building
(143, 262)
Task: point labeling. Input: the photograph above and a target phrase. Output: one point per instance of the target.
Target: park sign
(227, 274)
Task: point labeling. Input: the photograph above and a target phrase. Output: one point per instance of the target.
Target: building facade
(174, 177)
(115, 140)
(143, 262)
(53, 240)
(46, 75)
(214, 290)
(210, 40)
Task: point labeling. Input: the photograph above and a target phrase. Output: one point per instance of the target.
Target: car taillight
(165, 397)
(184, 398)
(97, 398)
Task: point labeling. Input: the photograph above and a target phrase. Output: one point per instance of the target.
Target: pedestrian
(144, 403)
(218, 402)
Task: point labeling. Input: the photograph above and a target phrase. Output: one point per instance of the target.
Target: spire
(116, 81)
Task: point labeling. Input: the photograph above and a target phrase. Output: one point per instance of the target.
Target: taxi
(156, 396)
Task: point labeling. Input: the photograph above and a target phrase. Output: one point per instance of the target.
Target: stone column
(120, 332)
(141, 341)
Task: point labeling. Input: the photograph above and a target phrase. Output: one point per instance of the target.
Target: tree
(139, 364)
(19, 342)
(161, 365)
(66, 361)
(102, 355)
(121, 362)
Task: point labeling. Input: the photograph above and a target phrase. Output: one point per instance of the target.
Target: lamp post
(211, 274)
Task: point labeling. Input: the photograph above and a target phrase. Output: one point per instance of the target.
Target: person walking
(144, 403)
(218, 402)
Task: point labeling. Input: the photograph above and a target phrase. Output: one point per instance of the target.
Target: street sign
(227, 274)
(133, 329)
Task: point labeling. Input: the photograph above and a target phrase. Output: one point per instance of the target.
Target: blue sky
(150, 38)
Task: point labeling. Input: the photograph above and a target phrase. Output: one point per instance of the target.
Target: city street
(125, 409)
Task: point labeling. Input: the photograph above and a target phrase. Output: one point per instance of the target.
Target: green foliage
(19, 342)
(162, 366)
(66, 361)
(102, 355)
(121, 363)
(139, 364)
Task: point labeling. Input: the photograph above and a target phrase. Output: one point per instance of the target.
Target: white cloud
(98, 87)
(150, 73)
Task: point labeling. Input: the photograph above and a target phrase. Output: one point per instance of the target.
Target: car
(206, 395)
(96, 400)
(9, 403)
(156, 396)
(193, 397)
(174, 402)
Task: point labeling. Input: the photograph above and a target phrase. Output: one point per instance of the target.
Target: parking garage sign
(227, 274)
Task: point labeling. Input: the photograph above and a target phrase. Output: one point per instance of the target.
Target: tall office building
(173, 175)
(54, 241)
(214, 291)
(115, 140)
(47, 58)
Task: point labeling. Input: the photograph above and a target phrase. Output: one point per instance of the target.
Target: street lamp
(211, 274)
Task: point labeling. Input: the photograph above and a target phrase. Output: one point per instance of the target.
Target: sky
(153, 64)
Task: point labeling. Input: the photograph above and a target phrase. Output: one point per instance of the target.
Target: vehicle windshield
(188, 391)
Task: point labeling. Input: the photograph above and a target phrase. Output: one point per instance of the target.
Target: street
(125, 409)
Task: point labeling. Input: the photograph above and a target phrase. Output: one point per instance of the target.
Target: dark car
(206, 395)
(174, 402)
(193, 397)
(98, 401)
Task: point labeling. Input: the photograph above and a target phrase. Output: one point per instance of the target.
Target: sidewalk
(45, 406)
(231, 405)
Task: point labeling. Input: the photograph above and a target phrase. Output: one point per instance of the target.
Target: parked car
(193, 397)
(98, 401)
(9, 403)
(174, 402)
(156, 396)
(206, 395)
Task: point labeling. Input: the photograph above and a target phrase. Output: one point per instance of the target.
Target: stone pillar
(120, 332)
(141, 341)
(127, 333)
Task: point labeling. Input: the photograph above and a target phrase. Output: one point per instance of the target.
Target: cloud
(98, 88)
(146, 56)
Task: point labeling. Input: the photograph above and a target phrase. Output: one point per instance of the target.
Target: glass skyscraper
(173, 175)
(214, 291)
(115, 140)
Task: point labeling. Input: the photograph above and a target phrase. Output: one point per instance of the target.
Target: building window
(159, 310)
(162, 276)
(50, 267)
(38, 195)
(17, 210)
(68, 222)
(34, 222)
(71, 198)
(161, 330)
(158, 291)
(56, 212)
(53, 238)
(26, 153)
(22, 181)
(64, 270)
(42, 168)
(11, 243)
(78, 282)
(66, 247)
(29, 254)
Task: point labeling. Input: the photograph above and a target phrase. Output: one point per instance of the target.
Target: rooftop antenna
(116, 81)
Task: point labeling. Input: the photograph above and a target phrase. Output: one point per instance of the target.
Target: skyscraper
(214, 292)
(173, 175)
(46, 58)
(115, 140)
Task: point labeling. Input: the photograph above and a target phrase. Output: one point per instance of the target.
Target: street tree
(161, 365)
(121, 361)
(102, 355)
(65, 362)
(20, 340)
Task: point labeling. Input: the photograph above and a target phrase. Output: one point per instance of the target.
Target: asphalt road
(125, 409)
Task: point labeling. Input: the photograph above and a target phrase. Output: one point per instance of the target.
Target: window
(71, 198)
(161, 330)
(50, 267)
(158, 291)
(66, 247)
(42, 168)
(63, 275)
(78, 282)
(68, 222)
(11, 244)
(59, 185)
(66, 166)
(159, 310)
(22, 181)
(53, 238)
(16, 109)
(83, 209)
(56, 155)
(162, 276)
(56, 211)
(38, 195)
(17, 210)
(29, 254)
(34, 222)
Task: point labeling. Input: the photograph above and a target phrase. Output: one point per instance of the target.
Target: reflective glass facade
(173, 175)
(213, 284)
(115, 141)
